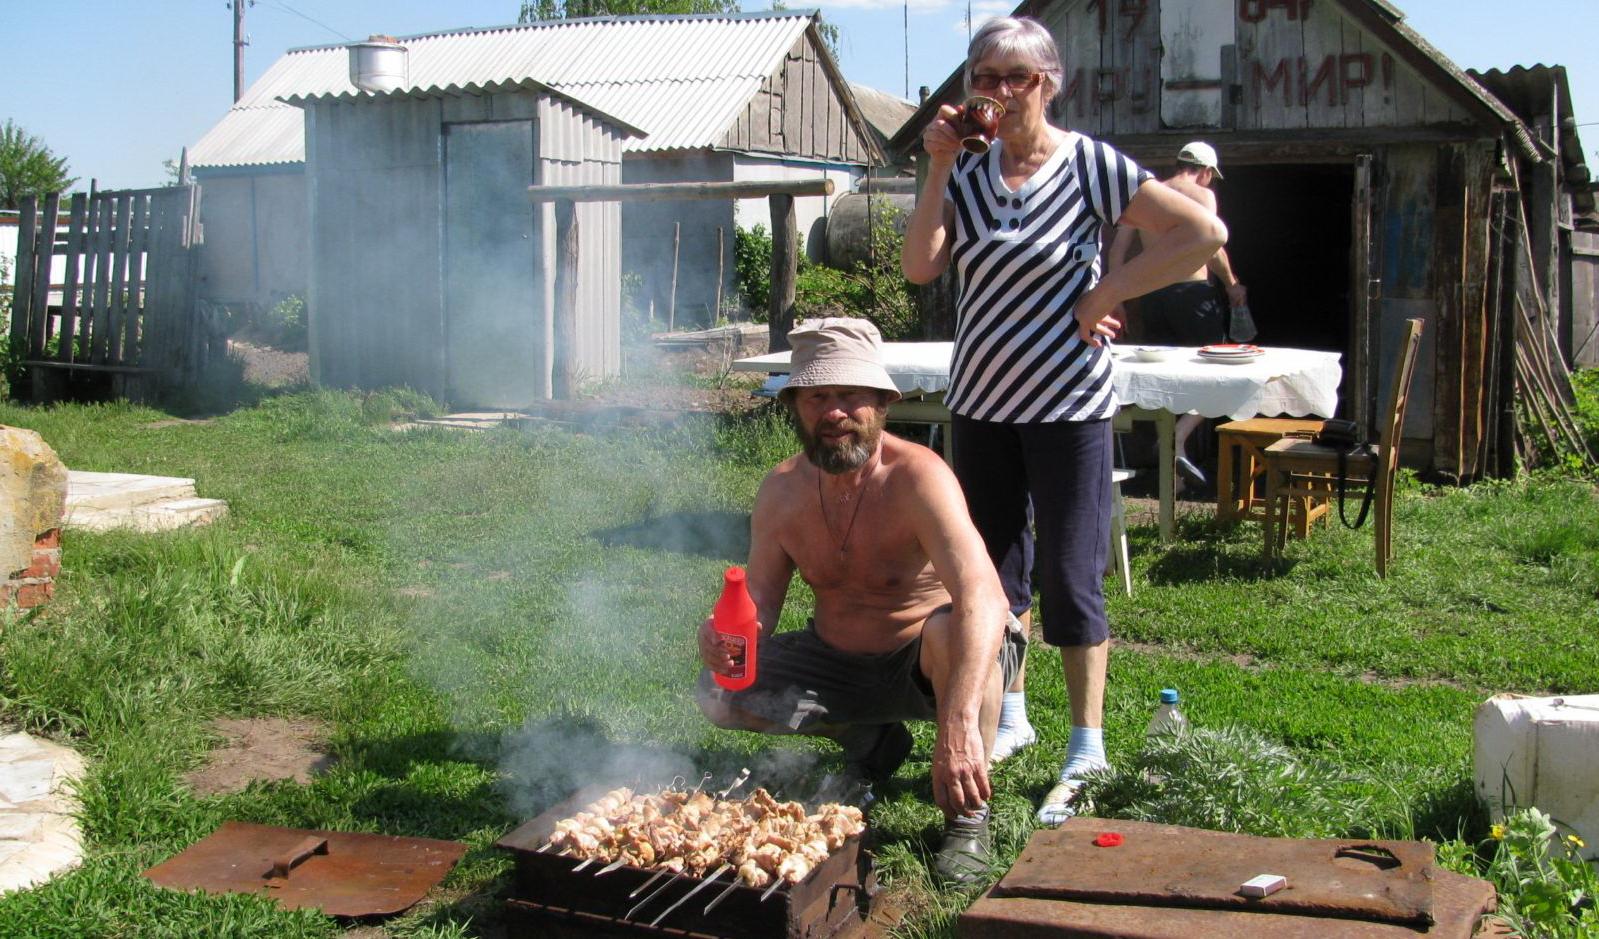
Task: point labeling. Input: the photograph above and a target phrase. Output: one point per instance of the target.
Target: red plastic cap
(1109, 839)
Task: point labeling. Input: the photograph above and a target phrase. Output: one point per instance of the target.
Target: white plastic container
(1541, 752)
(1168, 719)
(378, 65)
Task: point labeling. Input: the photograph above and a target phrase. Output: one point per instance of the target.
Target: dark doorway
(1289, 244)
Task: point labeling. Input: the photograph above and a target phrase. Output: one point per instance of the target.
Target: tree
(536, 10)
(28, 168)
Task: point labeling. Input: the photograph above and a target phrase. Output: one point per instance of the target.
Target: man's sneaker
(892, 747)
(966, 856)
(1058, 804)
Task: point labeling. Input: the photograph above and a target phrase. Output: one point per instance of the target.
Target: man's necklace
(843, 546)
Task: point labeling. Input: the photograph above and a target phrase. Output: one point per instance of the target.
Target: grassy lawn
(487, 621)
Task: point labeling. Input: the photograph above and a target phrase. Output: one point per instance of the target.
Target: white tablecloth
(1297, 382)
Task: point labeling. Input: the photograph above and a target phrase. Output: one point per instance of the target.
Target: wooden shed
(428, 266)
(1368, 180)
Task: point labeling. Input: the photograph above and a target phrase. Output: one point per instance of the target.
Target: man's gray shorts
(805, 686)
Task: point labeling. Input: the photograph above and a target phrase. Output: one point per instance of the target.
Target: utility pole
(238, 48)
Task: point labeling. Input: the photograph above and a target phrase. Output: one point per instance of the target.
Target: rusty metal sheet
(1168, 865)
(1459, 903)
(340, 873)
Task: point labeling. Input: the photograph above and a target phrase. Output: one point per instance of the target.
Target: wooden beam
(785, 271)
(564, 376)
(676, 192)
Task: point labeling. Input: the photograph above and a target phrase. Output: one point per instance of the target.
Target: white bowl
(1159, 353)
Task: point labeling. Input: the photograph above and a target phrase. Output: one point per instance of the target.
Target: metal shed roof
(681, 79)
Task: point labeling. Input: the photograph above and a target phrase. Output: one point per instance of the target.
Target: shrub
(1546, 890)
(1585, 383)
(752, 269)
(1235, 779)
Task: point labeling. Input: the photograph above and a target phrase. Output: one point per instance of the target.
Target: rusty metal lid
(340, 873)
(1168, 865)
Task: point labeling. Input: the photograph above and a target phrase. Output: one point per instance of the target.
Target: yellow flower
(1497, 833)
(1578, 842)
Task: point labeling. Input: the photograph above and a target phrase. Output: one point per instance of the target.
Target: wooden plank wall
(1301, 64)
(124, 300)
(1582, 336)
(798, 112)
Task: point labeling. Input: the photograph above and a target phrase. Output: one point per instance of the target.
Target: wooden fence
(126, 305)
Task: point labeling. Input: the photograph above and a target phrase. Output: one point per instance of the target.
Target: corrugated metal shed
(682, 80)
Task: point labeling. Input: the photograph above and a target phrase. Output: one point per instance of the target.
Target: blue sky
(118, 87)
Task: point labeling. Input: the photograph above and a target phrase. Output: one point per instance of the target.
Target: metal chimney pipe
(378, 65)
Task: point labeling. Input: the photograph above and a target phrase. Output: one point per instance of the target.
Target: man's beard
(845, 455)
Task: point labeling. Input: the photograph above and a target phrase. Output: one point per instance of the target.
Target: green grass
(487, 621)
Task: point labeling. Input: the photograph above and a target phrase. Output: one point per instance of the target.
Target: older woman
(1030, 383)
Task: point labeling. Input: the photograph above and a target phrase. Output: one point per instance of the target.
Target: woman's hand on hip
(1096, 315)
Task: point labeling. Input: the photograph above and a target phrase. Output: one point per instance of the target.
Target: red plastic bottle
(733, 618)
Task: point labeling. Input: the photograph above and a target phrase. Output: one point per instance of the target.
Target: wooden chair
(1296, 468)
(1241, 462)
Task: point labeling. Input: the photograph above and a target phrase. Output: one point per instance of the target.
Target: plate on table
(1158, 353)
(1231, 352)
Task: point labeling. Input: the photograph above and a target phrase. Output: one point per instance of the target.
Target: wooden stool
(1240, 452)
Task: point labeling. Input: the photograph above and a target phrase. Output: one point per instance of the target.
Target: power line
(288, 9)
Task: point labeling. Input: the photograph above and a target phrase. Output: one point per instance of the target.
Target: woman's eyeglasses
(1017, 82)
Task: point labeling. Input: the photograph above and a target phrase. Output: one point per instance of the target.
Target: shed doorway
(491, 282)
(1290, 235)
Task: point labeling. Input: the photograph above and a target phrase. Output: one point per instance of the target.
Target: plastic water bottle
(733, 618)
(1168, 719)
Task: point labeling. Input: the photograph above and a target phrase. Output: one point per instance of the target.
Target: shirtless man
(1186, 313)
(910, 621)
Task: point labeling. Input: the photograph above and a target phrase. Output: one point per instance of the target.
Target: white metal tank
(378, 65)
(1541, 752)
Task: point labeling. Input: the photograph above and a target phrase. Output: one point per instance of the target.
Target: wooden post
(671, 300)
(43, 260)
(22, 288)
(721, 271)
(566, 259)
(69, 293)
(785, 270)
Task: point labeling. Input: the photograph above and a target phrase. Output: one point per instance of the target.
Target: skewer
(703, 780)
(646, 885)
(739, 780)
(776, 882)
(658, 891)
(547, 846)
(585, 863)
(685, 898)
(610, 867)
(720, 897)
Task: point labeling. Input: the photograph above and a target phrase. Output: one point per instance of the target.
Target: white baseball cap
(1200, 153)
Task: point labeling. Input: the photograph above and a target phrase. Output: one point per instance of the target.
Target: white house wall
(245, 257)
(810, 212)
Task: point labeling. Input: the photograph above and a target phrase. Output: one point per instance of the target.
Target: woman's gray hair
(1021, 36)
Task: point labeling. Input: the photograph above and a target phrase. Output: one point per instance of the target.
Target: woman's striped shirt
(1022, 258)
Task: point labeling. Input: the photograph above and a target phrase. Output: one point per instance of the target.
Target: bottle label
(735, 647)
